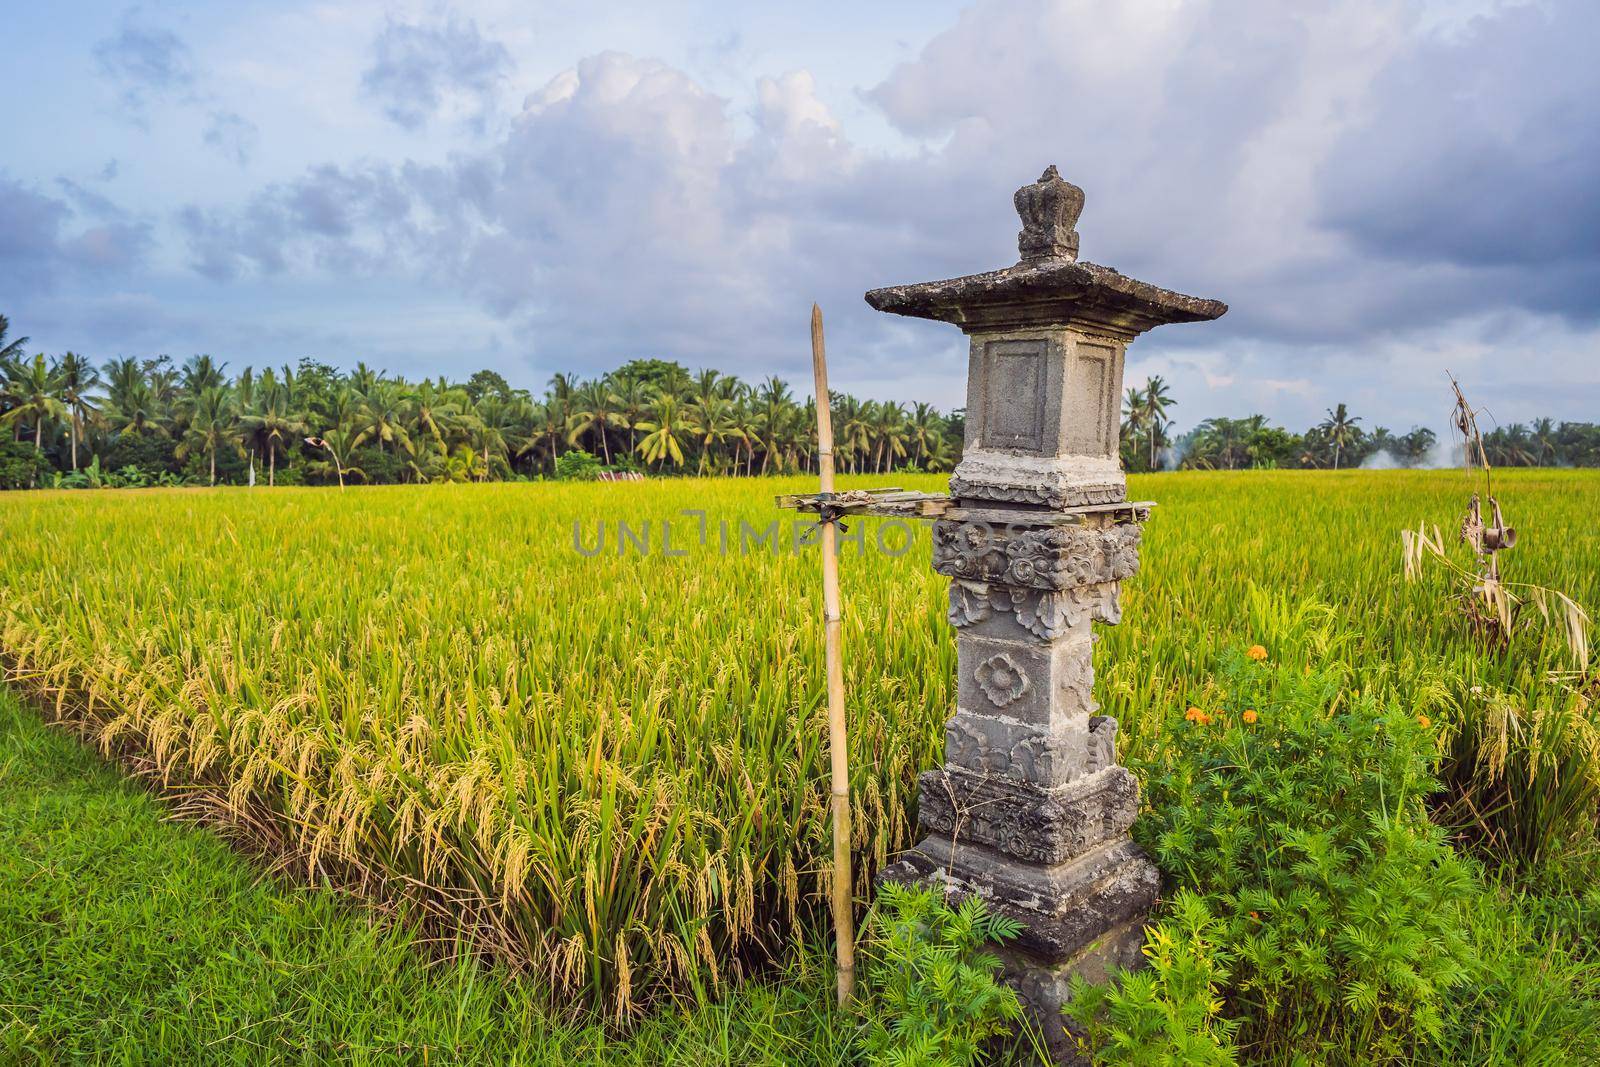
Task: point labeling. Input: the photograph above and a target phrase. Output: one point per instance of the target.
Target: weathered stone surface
(1049, 210)
(1035, 557)
(1049, 292)
(1031, 812)
(1063, 908)
(1047, 988)
(1048, 755)
(1031, 682)
(1019, 614)
(1031, 823)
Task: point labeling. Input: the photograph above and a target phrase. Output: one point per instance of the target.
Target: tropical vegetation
(607, 770)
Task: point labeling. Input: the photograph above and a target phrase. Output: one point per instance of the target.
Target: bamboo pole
(844, 925)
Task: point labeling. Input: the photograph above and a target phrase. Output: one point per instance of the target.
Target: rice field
(604, 760)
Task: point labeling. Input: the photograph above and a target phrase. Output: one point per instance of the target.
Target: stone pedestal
(1031, 811)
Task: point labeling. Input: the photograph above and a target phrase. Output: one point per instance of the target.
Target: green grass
(126, 937)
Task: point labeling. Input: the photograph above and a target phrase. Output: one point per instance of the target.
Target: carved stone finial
(1049, 209)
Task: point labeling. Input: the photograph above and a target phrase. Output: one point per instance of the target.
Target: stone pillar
(1031, 810)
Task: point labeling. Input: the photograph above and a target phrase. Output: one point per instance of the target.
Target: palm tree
(889, 427)
(33, 392)
(201, 373)
(855, 421)
(747, 429)
(1340, 428)
(924, 426)
(667, 422)
(1544, 439)
(632, 398)
(272, 428)
(433, 410)
(382, 417)
(9, 350)
(363, 378)
(711, 419)
(595, 408)
(136, 410)
(492, 427)
(78, 378)
(212, 422)
(1154, 408)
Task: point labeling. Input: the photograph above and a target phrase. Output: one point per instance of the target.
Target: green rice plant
(608, 765)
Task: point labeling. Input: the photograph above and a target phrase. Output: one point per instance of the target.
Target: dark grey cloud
(145, 61)
(1482, 156)
(332, 218)
(45, 240)
(418, 68)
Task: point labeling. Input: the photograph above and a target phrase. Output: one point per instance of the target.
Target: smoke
(1172, 455)
(1381, 460)
(1443, 455)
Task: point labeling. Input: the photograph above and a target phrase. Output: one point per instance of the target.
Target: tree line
(1149, 441)
(135, 422)
(154, 421)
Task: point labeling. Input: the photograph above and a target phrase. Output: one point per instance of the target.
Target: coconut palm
(434, 410)
(33, 397)
(491, 428)
(78, 379)
(924, 426)
(137, 411)
(1156, 400)
(272, 428)
(632, 400)
(1340, 430)
(710, 418)
(667, 422)
(201, 373)
(381, 418)
(211, 422)
(595, 407)
(9, 350)
(854, 420)
(1544, 439)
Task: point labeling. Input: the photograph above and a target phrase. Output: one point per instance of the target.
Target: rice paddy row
(606, 759)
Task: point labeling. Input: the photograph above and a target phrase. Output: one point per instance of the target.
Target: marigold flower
(1196, 715)
(1249, 715)
(1256, 652)
(1424, 721)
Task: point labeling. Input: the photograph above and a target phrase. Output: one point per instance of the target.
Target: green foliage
(1169, 1014)
(149, 452)
(126, 937)
(577, 466)
(932, 993)
(1296, 812)
(21, 465)
(1534, 995)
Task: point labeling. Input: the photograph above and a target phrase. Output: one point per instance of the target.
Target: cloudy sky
(1380, 189)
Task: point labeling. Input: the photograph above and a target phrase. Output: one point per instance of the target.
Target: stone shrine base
(1081, 917)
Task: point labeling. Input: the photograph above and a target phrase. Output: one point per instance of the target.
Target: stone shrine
(1031, 810)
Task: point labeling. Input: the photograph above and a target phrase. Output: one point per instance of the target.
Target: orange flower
(1256, 652)
(1249, 715)
(1424, 721)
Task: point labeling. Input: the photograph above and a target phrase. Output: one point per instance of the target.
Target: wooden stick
(844, 923)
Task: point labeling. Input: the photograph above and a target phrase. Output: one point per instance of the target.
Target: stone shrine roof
(1049, 286)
